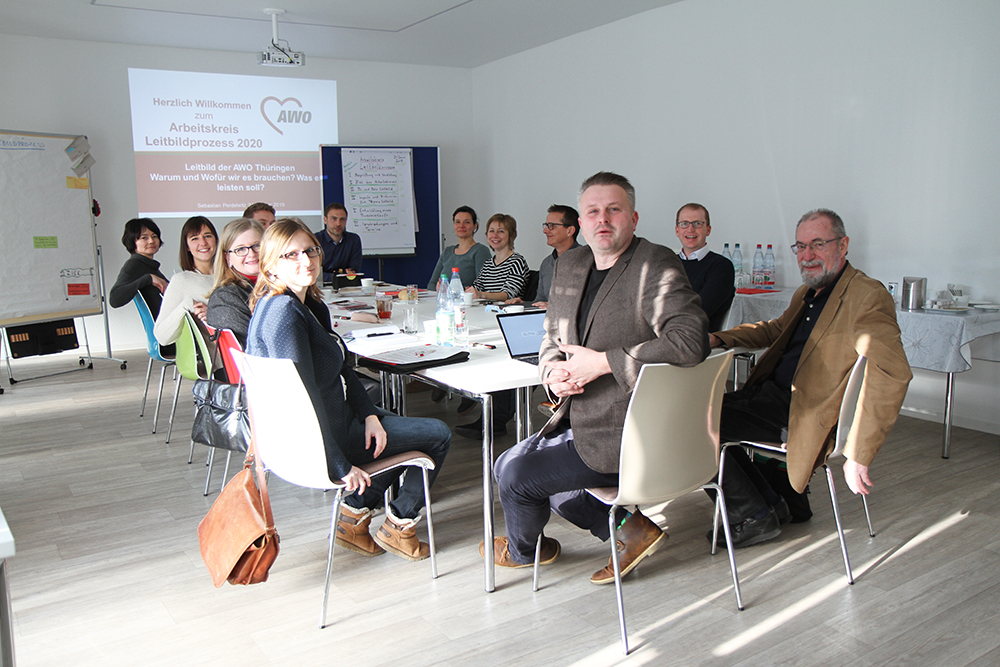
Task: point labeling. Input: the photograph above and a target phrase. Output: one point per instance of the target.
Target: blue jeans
(403, 434)
(543, 474)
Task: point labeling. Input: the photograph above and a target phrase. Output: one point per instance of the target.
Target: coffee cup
(467, 298)
(367, 285)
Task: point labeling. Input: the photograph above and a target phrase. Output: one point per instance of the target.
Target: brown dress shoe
(638, 538)
(399, 536)
(352, 531)
(502, 557)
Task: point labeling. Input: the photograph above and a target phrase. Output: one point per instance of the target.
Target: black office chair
(530, 291)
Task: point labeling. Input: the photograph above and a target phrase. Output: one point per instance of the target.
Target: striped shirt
(509, 276)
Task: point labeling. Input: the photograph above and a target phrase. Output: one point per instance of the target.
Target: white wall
(75, 87)
(763, 109)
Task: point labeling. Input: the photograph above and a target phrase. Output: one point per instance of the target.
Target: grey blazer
(644, 312)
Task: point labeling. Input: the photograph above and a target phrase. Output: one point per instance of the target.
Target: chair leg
(720, 504)
(868, 517)
(840, 527)
(430, 525)
(225, 470)
(173, 406)
(612, 524)
(334, 516)
(538, 558)
(159, 395)
(208, 475)
(149, 370)
(191, 452)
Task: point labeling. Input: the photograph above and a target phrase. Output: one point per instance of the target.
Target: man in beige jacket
(794, 393)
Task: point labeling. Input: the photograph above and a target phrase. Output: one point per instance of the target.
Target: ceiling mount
(275, 55)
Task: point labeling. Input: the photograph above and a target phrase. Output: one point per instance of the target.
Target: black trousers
(758, 412)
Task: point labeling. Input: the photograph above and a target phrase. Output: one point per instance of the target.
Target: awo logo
(273, 107)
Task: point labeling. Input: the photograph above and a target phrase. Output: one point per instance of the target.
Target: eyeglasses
(815, 246)
(296, 255)
(241, 251)
(697, 224)
(549, 226)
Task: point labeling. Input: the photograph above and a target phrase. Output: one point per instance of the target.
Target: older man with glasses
(561, 226)
(712, 276)
(793, 394)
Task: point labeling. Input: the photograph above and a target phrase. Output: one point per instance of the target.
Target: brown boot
(638, 538)
(502, 557)
(399, 536)
(352, 531)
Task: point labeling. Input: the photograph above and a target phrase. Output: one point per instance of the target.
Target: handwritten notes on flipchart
(378, 194)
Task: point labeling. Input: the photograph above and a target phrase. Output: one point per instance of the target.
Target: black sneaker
(438, 395)
(751, 531)
(474, 431)
(782, 512)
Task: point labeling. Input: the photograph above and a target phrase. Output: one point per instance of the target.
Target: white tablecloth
(932, 341)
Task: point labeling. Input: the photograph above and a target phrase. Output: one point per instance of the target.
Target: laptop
(523, 333)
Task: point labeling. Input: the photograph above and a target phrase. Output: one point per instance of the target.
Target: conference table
(485, 371)
(933, 340)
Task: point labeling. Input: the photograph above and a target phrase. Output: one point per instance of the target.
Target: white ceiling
(456, 33)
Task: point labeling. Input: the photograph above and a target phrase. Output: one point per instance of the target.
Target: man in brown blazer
(794, 393)
(615, 304)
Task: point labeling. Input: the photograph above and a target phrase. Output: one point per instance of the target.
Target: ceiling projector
(277, 57)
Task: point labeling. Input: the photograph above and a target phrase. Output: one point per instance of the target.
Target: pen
(384, 333)
(341, 317)
(486, 345)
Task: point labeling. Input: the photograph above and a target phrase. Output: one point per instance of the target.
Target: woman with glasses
(140, 273)
(237, 264)
(188, 290)
(468, 255)
(290, 321)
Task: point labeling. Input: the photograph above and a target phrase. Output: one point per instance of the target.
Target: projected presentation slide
(215, 143)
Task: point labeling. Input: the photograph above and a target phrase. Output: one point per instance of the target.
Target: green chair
(193, 360)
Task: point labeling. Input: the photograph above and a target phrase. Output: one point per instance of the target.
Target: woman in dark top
(141, 273)
(237, 263)
(290, 321)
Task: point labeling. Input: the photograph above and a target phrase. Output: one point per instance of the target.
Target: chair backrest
(227, 341)
(849, 404)
(194, 360)
(152, 345)
(285, 430)
(670, 443)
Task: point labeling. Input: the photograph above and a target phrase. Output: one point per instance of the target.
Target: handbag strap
(253, 459)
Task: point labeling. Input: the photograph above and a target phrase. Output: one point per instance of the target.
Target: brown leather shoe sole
(607, 575)
(358, 550)
(422, 554)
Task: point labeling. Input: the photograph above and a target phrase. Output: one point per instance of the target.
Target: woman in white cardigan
(189, 289)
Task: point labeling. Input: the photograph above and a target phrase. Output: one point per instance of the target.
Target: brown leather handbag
(237, 536)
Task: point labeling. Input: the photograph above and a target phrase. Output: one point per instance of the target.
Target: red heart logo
(281, 103)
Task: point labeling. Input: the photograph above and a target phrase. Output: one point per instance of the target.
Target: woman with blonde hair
(237, 263)
(504, 277)
(290, 321)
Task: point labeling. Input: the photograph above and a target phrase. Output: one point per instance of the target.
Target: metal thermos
(914, 292)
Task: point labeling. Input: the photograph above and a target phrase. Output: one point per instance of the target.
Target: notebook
(523, 333)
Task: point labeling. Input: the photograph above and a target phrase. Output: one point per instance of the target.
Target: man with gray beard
(793, 394)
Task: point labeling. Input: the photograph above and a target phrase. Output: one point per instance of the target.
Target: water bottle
(455, 287)
(738, 260)
(757, 274)
(769, 267)
(445, 315)
(725, 252)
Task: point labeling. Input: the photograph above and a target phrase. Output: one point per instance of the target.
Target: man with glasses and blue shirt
(561, 226)
(712, 276)
(793, 394)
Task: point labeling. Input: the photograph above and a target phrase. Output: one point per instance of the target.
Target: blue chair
(153, 350)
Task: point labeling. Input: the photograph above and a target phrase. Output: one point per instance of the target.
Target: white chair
(670, 447)
(848, 410)
(290, 444)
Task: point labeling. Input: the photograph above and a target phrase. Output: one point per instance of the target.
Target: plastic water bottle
(455, 287)
(455, 291)
(725, 252)
(738, 260)
(445, 315)
(769, 267)
(757, 275)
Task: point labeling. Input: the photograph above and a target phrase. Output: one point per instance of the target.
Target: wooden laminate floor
(108, 571)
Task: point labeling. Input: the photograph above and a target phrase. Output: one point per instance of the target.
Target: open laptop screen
(523, 332)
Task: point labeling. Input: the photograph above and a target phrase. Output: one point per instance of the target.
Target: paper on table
(420, 353)
(373, 341)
